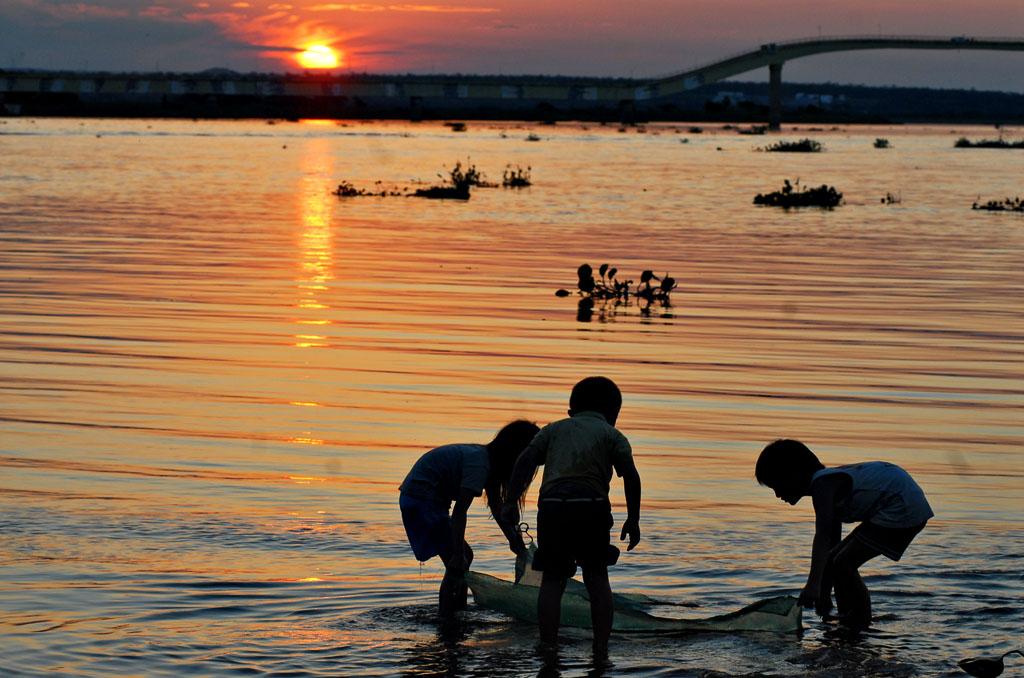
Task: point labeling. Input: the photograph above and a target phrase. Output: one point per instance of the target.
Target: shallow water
(214, 375)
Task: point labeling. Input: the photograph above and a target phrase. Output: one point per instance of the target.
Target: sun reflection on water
(315, 244)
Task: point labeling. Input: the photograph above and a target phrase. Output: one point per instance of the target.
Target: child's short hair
(596, 394)
(783, 460)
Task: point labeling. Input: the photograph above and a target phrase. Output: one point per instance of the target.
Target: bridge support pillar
(775, 95)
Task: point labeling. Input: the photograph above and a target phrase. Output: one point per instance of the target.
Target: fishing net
(518, 599)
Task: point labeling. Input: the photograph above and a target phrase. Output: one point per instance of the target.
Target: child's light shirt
(442, 473)
(579, 454)
(881, 493)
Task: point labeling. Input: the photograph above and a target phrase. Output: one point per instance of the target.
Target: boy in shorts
(573, 512)
(889, 505)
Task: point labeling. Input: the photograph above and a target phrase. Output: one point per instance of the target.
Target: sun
(318, 56)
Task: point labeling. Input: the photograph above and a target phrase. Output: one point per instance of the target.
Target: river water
(214, 374)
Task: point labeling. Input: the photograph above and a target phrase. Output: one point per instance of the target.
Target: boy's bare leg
(454, 590)
(549, 607)
(601, 606)
(462, 595)
(827, 584)
(448, 597)
(852, 597)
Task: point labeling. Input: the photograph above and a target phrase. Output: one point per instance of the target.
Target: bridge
(220, 93)
(775, 54)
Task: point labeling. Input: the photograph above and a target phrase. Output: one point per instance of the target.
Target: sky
(639, 38)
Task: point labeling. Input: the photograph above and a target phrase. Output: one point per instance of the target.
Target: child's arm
(458, 559)
(509, 527)
(824, 494)
(631, 487)
(522, 474)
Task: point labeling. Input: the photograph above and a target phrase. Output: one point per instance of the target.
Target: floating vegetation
(791, 195)
(347, 190)
(892, 199)
(801, 146)
(456, 186)
(608, 286)
(882, 143)
(516, 177)
(1005, 205)
(609, 294)
(964, 142)
(755, 130)
(459, 181)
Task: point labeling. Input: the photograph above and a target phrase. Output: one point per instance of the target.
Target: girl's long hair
(502, 453)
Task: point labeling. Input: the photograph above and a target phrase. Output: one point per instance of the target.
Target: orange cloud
(156, 11)
(279, 35)
(366, 7)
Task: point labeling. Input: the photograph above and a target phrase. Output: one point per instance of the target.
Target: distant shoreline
(224, 94)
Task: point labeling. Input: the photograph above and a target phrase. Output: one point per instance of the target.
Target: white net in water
(518, 599)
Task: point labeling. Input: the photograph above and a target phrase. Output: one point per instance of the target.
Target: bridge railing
(952, 39)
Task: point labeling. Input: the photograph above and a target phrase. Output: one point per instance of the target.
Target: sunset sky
(583, 37)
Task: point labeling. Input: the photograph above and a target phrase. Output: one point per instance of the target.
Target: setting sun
(318, 56)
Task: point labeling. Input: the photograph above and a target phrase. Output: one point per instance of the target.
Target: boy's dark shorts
(571, 533)
(891, 542)
(428, 527)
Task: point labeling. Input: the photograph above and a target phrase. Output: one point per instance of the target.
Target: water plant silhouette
(791, 195)
(348, 190)
(801, 146)
(964, 142)
(456, 184)
(753, 130)
(613, 293)
(516, 177)
(1005, 205)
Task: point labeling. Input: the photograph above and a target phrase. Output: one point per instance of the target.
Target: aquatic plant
(347, 190)
(607, 288)
(882, 143)
(516, 177)
(964, 142)
(755, 130)
(442, 193)
(1005, 205)
(791, 195)
(459, 182)
(607, 285)
(801, 146)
